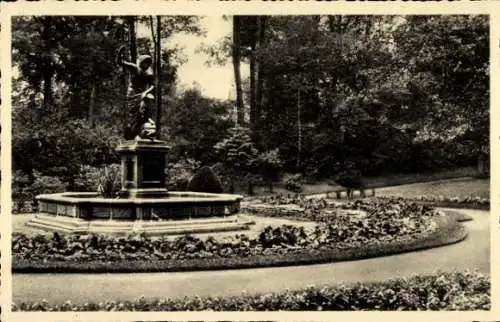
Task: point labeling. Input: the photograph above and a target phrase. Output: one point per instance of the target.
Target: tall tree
(155, 36)
(166, 59)
(255, 32)
(35, 43)
(131, 21)
(259, 87)
(236, 55)
(448, 60)
(158, 75)
(47, 64)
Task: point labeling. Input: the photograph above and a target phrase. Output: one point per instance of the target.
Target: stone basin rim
(172, 197)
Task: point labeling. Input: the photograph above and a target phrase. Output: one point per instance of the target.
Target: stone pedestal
(143, 166)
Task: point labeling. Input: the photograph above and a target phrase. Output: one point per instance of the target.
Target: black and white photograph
(334, 162)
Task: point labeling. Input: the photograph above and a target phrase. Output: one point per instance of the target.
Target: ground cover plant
(461, 290)
(466, 187)
(381, 228)
(465, 193)
(452, 202)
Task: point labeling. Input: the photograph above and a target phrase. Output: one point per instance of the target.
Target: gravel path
(473, 253)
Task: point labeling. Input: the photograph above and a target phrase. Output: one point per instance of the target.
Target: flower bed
(322, 210)
(439, 291)
(447, 202)
(430, 200)
(381, 228)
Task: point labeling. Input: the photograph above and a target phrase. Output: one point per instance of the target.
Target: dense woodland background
(383, 94)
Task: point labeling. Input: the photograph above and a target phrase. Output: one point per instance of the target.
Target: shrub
(26, 194)
(60, 150)
(180, 173)
(205, 181)
(270, 165)
(461, 290)
(105, 180)
(87, 179)
(46, 184)
(293, 182)
(21, 197)
(225, 176)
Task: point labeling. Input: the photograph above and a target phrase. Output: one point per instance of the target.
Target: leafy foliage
(270, 164)
(237, 150)
(389, 93)
(180, 173)
(196, 123)
(378, 90)
(109, 182)
(41, 184)
(238, 153)
(460, 290)
(293, 182)
(471, 202)
(205, 180)
(384, 222)
(66, 74)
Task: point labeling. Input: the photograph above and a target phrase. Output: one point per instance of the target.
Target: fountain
(143, 205)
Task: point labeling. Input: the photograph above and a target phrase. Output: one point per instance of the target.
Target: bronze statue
(139, 125)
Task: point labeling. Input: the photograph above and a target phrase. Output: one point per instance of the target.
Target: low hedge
(440, 291)
(448, 231)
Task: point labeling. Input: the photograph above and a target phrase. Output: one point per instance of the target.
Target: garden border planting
(448, 231)
(446, 202)
(460, 290)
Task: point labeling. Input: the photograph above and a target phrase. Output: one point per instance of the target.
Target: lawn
(446, 188)
(397, 179)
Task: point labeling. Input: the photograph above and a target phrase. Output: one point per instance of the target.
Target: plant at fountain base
(109, 183)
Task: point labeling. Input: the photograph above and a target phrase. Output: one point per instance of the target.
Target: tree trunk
(270, 185)
(236, 66)
(231, 184)
(90, 115)
(75, 100)
(255, 76)
(133, 57)
(299, 132)
(133, 43)
(48, 69)
(250, 188)
(315, 77)
(261, 25)
(253, 97)
(47, 89)
(157, 76)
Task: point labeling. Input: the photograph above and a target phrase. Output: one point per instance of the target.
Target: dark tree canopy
(385, 93)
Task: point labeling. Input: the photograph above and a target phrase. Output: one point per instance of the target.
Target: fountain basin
(144, 204)
(176, 205)
(176, 213)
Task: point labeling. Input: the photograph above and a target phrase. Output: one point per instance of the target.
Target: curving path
(473, 253)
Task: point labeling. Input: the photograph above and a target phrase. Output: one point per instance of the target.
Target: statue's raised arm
(139, 97)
